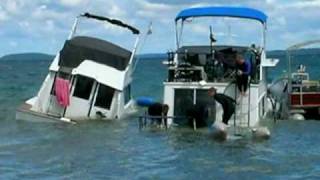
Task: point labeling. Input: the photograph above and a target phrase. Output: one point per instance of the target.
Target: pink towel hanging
(62, 92)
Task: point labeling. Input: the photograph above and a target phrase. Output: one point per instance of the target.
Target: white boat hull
(248, 111)
(25, 113)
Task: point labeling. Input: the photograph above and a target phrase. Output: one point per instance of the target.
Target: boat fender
(297, 116)
(218, 131)
(64, 119)
(261, 133)
(145, 101)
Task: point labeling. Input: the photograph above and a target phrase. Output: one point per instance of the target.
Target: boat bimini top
(81, 48)
(238, 12)
(221, 11)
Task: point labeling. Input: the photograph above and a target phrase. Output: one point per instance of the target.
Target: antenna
(212, 41)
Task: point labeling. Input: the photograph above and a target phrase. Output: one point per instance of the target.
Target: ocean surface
(119, 150)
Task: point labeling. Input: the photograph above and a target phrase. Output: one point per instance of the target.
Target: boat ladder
(242, 113)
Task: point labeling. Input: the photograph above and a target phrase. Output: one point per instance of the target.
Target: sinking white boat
(89, 78)
(193, 69)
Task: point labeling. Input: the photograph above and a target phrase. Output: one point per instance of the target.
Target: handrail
(249, 104)
(295, 47)
(300, 45)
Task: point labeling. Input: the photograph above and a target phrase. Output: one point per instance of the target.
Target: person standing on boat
(243, 70)
(227, 103)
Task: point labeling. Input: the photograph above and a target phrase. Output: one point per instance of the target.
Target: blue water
(118, 150)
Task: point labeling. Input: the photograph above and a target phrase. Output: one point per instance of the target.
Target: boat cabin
(95, 70)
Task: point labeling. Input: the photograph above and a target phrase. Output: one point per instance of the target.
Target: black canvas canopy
(82, 48)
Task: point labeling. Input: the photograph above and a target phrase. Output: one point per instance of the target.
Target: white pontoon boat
(193, 69)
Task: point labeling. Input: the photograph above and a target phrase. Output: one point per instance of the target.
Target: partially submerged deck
(24, 112)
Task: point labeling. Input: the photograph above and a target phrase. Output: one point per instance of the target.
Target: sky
(43, 25)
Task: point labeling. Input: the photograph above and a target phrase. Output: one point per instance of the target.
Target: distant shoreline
(148, 56)
(27, 57)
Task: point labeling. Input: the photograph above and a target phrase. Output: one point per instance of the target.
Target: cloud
(154, 6)
(13, 44)
(270, 1)
(304, 4)
(11, 6)
(72, 3)
(42, 12)
(116, 11)
(44, 25)
(160, 12)
(3, 16)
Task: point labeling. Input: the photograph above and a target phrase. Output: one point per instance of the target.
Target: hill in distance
(309, 51)
(151, 56)
(27, 57)
(42, 56)
(303, 52)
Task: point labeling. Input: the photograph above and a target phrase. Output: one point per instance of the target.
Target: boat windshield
(225, 30)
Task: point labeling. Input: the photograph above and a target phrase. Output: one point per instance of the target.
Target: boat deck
(24, 112)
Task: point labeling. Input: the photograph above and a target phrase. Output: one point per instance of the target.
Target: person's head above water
(239, 59)
(212, 91)
(165, 108)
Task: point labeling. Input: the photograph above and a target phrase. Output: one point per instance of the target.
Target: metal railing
(303, 89)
